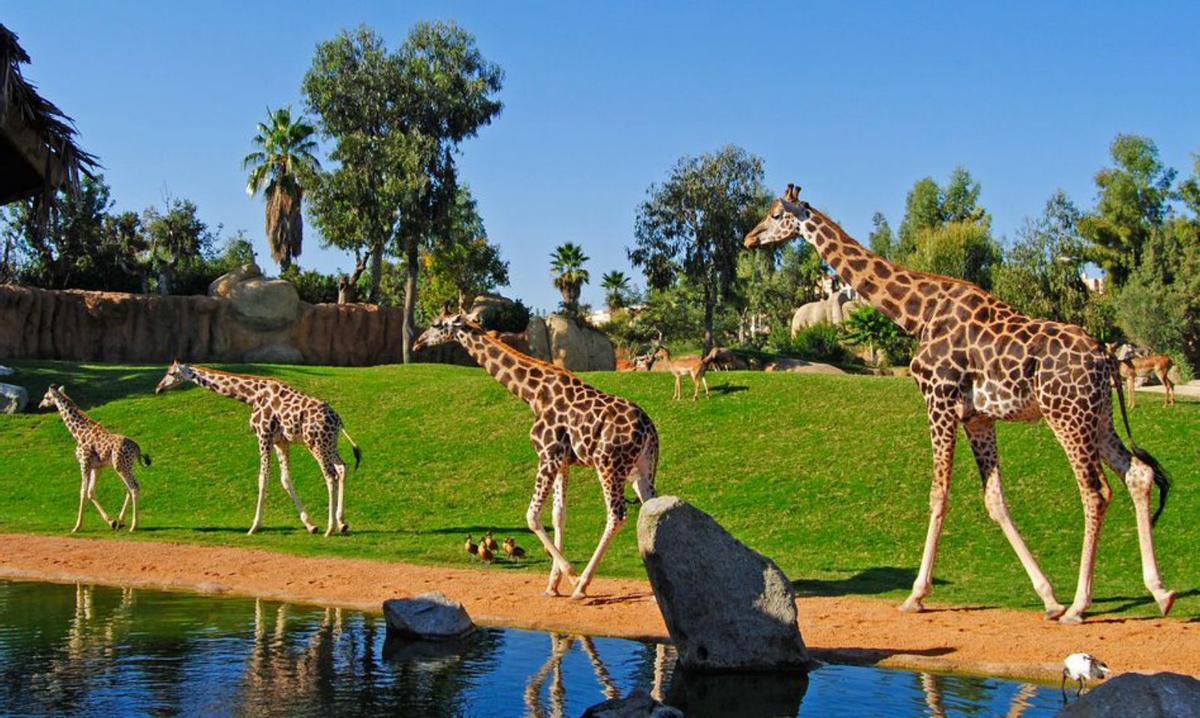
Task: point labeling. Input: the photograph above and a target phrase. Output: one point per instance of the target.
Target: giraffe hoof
(551, 593)
(578, 596)
(1165, 602)
(912, 605)
(1070, 619)
(112, 524)
(345, 529)
(1053, 613)
(313, 530)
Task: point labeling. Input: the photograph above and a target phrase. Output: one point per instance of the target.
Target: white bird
(1080, 667)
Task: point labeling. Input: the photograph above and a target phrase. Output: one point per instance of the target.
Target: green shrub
(820, 342)
(312, 286)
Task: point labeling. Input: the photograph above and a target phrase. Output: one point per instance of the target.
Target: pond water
(95, 650)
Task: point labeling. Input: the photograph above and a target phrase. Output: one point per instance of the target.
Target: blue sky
(602, 98)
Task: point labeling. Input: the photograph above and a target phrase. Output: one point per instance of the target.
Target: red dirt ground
(850, 629)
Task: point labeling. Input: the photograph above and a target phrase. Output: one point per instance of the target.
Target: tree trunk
(348, 286)
(164, 282)
(410, 298)
(708, 321)
(376, 272)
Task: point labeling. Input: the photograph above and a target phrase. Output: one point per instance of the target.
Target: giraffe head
(783, 221)
(446, 328)
(49, 401)
(177, 375)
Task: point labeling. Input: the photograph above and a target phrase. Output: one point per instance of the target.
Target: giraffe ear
(445, 310)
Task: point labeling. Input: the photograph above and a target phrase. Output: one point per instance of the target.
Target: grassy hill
(828, 475)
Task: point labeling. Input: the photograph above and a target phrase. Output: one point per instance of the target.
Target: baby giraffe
(281, 416)
(95, 447)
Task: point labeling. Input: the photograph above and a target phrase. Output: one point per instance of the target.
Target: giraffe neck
(73, 417)
(522, 375)
(232, 385)
(887, 287)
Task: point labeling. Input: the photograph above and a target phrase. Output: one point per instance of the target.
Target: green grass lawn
(828, 475)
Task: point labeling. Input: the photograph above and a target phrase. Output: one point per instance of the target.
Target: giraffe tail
(353, 447)
(1161, 479)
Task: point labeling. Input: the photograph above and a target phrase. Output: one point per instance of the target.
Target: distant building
(1094, 284)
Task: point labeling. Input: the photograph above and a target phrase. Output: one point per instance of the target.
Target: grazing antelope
(684, 366)
(1132, 365)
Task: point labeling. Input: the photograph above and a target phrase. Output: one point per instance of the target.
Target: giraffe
(980, 361)
(575, 424)
(281, 416)
(95, 447)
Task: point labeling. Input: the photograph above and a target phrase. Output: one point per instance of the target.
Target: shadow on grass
(869, 581)
(1128, 603)
(476, 531)
(729, 388)
(92, 385)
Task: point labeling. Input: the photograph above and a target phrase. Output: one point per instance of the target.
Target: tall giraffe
(281, 415)
(96, 446)
(576, 424)
(980, 361)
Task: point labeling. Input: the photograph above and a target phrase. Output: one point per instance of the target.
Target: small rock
(13, 398)
(726, 606)
(6, 371)
(637, 704)
(431, 616)
(1158, 695)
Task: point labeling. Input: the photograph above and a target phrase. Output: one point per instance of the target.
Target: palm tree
(566, 263)
(281, 166)
(616, 287)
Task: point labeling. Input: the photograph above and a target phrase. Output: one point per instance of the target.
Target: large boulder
(637, 704)
(223, 285)
(538, 337)
(1158, 695)
(429, 616)
(800, 366)
(833, 309)
(578, 347)
(726, 606)
(265, 304)
(13, 398)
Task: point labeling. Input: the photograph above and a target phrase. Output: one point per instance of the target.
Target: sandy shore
(849, 629)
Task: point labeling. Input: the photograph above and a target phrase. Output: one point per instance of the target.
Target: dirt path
(843, 629)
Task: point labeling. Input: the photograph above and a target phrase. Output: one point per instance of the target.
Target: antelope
(1132, 366)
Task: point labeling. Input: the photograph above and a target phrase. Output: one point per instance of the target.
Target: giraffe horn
(787, 193)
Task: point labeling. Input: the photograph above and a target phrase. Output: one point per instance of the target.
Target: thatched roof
(37, 141)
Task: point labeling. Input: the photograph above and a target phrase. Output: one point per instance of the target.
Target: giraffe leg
(548, 469)
(614, 496)
(340, 466)
(283, 455)
(330, 472)
(1096, 495)
(943, 429)
(1139, 478)
(132, 489)
(95, 501)
(85, 471)
(981, 432)
(559, 517)
(264, 470)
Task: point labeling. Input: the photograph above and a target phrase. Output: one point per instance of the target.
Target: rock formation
(833, 309)
(429, 616)
(1158, 695)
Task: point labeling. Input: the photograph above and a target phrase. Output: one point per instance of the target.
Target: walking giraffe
(576, 424)
(281, 415)
(96, 447)
(980, 361)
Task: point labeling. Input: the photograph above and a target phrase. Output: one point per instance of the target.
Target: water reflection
(71, 649)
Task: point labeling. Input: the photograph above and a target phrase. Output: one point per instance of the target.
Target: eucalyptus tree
(692, 225)
(282, 166)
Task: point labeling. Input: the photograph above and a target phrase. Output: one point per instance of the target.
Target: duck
(1080, 667)
(489, 541)
(471, 547)
(485, 553)
(512, 549)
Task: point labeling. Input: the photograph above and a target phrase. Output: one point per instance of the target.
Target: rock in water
(1158, 695)
(637, 704)
(726, 606)
(13, 398)
(6, 371)
(431, 616)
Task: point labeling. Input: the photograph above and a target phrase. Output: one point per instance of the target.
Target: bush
(869, 327)
(510, 317)
(312, 286)
(820, 342)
